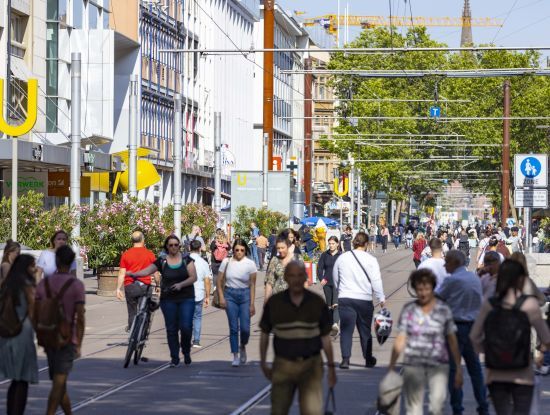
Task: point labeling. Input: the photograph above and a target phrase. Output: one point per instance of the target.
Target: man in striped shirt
(300, 323)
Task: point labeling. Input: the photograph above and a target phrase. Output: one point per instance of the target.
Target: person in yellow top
(261, 243)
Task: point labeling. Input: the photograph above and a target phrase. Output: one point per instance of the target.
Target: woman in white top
(236, 287)
(46, 263)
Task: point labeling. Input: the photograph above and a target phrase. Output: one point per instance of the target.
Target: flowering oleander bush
(265, 219)
(35, 224)
(195, 214)
(106, 229)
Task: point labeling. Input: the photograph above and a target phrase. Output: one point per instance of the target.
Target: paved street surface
(100, 385)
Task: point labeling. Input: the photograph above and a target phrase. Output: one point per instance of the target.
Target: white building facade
(208, 84)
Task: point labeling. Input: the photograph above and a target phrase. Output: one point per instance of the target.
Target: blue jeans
(254, 253)
(238, 315)
(197, 322)
(178, 316)
(474, 370)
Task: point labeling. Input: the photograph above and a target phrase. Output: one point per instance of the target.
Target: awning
(19, 69)
(211, 190)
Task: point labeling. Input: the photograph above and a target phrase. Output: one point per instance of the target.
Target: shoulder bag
(216, 296)
(362, 267)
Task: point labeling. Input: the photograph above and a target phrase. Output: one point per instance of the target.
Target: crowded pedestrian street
(100, 385)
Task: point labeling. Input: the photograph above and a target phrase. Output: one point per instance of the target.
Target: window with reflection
(93, 16)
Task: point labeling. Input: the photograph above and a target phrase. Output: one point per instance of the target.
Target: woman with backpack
(17, 350)
(220, 250)
(502, 331)
(237, 293)
(177, 297)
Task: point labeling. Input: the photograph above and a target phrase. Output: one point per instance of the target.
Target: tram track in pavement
(113, 346)
(127, 383)
(265, 392)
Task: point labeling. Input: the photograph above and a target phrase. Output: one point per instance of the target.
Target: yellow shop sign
(32, 109)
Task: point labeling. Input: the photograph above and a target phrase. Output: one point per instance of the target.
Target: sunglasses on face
(173, 245)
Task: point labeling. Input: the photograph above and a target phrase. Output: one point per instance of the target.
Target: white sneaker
(543, 370)
(243, 355)
(236, 360)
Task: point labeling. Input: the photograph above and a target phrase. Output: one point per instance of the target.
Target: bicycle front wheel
(133, 339)
(142, 339)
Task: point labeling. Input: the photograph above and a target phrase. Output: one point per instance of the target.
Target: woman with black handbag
(236, 292)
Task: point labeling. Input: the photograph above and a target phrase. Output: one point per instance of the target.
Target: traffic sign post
(531, 181)
(529, 198)
(531, 170)
(435, 111)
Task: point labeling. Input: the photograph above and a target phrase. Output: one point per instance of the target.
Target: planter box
(311, 270)
(107, 281)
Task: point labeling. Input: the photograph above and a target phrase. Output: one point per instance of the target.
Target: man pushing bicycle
(134, 259)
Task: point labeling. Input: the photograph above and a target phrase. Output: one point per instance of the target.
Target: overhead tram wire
(420, 118)
(390, 51)
(416, 73)
(505, 19)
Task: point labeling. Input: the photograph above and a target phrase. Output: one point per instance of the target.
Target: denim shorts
(60, 362)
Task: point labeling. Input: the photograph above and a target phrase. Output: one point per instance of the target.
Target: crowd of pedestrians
(456, 315)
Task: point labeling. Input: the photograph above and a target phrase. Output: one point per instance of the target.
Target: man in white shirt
(202, 289)
(435, 263)
(356, 275)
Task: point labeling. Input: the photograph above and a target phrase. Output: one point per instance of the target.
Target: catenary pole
(14, 142)
(178, 158)
(506, 154)
(218, 162)
(76, 103)
(269, 43)
(265, 168)
(133, 139)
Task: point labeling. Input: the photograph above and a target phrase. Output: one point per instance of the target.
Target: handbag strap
(225, 273)
(362, 267)
(330, 401)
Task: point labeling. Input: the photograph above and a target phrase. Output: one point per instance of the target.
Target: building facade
(208, 84)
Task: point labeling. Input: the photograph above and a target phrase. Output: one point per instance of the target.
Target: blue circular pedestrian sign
(530, 167)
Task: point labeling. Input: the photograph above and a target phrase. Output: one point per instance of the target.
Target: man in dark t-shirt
(300, 322)
(347, 237)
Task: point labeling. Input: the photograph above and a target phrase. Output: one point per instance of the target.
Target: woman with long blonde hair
(220, 250)
(418, 246)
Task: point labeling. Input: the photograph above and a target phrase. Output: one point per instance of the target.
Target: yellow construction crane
(330, 21)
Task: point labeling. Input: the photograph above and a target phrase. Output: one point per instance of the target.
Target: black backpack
(464, 245)
(507, 341)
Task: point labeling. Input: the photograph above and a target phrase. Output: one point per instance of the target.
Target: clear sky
(527, 22)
